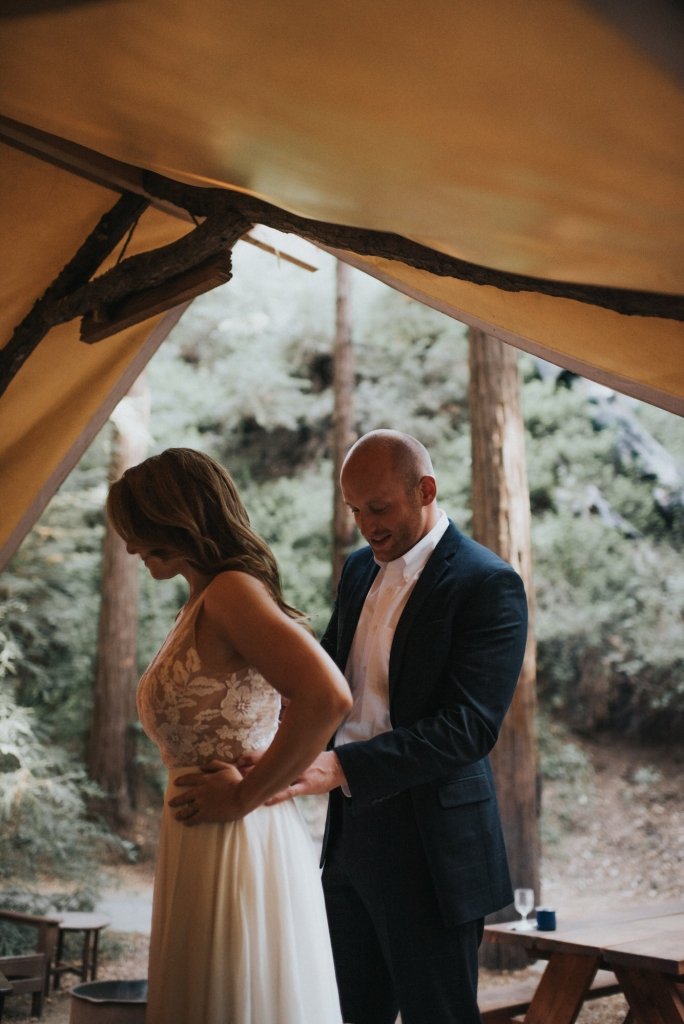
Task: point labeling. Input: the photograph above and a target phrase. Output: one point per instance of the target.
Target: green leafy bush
(45, 824)
(609, 628)
(43, 810)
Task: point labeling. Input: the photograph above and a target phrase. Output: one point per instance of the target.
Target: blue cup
(546, 919)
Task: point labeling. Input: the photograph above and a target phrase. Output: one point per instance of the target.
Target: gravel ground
(613, 834)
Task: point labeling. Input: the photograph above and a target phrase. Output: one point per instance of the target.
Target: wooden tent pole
(109, 231)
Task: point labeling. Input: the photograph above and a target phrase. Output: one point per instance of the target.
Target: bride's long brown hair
(183, 503)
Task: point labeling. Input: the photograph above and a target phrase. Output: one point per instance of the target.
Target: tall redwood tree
(111, 748)
(501, 521)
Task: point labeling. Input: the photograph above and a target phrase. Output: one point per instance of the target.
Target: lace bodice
(193, 713)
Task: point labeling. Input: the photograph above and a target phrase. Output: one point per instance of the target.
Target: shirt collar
(412, 562)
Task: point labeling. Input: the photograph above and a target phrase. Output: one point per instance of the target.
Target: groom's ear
(427, 488)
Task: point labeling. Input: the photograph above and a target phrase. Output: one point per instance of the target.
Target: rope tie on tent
(127, 240)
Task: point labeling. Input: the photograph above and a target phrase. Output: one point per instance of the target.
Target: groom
(430, 629)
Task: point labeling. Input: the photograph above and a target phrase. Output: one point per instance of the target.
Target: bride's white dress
(239, 933)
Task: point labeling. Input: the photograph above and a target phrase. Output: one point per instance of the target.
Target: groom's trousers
(392, 950)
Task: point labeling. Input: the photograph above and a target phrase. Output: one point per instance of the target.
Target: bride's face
(161, 565)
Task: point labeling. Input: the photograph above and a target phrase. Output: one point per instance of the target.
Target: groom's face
(391, 516)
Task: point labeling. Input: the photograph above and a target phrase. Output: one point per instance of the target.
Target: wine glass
(524, 902)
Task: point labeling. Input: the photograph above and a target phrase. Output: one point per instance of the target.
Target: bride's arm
(240, 611)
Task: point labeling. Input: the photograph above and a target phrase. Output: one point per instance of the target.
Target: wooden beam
(115, 175)
(104, 171)
(181, 200)
(156, 273)
(104, 321)
(145, 270)
(109, 231)
(204, 201)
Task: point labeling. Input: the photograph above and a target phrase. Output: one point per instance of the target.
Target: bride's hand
(210, 795)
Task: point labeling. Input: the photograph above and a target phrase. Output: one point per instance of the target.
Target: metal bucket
(108, 1002)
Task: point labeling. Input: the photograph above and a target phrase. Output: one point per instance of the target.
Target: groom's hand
(322, 775)
(210, 795)
(248, 761)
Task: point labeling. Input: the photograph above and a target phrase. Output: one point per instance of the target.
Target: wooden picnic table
(643, 946)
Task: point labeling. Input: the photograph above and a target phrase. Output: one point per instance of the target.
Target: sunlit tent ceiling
(516, 163)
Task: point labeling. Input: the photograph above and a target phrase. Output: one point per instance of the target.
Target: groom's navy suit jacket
(454, 664)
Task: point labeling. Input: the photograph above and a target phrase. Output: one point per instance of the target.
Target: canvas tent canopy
(518, 164)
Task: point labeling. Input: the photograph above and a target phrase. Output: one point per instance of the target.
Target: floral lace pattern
(194, 714)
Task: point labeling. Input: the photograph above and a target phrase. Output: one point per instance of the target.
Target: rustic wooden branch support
(138, 287)
(218, 233)
(152, 281)
(102, 240)
(107, 320)
(202, 202)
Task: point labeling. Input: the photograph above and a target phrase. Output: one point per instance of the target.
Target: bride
(239, 934)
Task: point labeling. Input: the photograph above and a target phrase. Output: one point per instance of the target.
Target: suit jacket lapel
(437, 565)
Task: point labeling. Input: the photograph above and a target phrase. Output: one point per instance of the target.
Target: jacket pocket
(470, 790)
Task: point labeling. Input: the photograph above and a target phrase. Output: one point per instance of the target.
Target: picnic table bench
(500, 1004)
(643, 946)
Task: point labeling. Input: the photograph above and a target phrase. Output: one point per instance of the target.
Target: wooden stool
(5, 989)
(90, 925)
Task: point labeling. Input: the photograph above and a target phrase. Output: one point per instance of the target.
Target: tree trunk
(501, 521)
(343, 435)
(111, 752)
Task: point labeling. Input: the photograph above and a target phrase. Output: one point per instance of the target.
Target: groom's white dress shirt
(367, 669)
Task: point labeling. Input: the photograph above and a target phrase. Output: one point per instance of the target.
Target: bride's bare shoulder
(236, 591)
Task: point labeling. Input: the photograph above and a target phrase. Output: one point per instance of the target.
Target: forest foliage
(246, 376)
